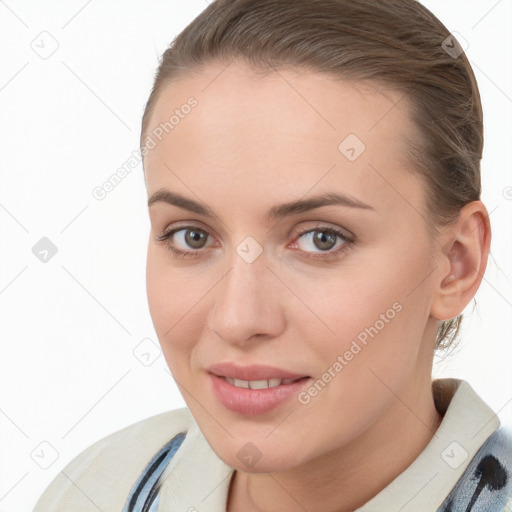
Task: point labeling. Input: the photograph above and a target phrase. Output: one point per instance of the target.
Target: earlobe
(462, 261)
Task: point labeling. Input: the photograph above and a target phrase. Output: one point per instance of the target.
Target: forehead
(226, 94)
(288, 126)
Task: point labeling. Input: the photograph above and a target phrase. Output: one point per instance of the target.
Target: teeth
(241, 383)
(258, 384)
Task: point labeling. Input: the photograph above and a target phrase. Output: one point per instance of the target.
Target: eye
(188, 236)
(323, 241)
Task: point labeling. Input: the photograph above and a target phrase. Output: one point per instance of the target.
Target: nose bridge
(243, 278)
(244, 305)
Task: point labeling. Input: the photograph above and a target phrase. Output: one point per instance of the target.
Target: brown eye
(324, 240)
(182, 241)
(195, 238)
(320, 239)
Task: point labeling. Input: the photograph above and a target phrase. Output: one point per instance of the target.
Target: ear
(462, 261)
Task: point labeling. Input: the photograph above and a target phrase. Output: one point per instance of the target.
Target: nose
(247, 303)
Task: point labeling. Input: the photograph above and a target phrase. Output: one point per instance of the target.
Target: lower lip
(252, 402)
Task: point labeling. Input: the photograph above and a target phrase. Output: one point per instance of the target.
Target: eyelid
(167, 233)
(319, 225)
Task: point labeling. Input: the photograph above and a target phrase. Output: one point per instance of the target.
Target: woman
(313, 179)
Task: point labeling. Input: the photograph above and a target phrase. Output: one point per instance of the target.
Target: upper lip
(252, 372)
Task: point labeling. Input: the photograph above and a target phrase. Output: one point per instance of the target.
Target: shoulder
(102, 475)
(487, 482)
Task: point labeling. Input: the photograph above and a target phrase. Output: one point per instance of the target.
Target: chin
(257, 456)
(275, 464)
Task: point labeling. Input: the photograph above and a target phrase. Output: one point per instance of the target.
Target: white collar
(198, 480)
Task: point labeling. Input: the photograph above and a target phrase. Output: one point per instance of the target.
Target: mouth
(254, 390)
(260, 384)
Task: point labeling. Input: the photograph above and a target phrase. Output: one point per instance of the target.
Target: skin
(251, 143)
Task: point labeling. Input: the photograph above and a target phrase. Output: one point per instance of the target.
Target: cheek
(370, 313)
(176, 298)
(340, 304)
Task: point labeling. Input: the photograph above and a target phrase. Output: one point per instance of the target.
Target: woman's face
(307, 257)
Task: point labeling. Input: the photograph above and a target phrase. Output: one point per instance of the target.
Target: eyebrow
(276, 212)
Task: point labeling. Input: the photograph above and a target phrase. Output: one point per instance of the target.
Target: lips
(253, 402)
(254, 390)
(253, 372)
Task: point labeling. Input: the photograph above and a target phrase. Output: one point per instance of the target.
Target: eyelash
(166, 236)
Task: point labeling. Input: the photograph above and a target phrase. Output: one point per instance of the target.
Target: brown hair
(397, 43)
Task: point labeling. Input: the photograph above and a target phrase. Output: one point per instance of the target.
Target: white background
(68, 327)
